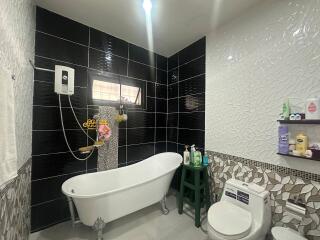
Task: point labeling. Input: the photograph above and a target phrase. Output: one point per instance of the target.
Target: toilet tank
(249, 196)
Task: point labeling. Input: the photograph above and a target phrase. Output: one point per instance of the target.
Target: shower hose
(64, 132)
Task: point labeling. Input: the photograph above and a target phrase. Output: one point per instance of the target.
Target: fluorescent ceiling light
(147, 5)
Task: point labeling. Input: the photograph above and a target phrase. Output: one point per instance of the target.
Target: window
(113, 92)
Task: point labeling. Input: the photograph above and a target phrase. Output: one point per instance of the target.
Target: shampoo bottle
(186, 155)
(301, 143)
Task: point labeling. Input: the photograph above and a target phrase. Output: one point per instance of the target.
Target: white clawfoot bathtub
(102, 197)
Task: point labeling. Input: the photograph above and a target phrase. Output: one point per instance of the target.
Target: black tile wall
(186, 100)
(108, 43)
(87, 50)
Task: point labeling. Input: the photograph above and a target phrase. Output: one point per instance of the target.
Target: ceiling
(175, 23)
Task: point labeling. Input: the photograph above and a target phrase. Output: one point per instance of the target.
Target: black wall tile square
(173, 76)
(140, 135)
(45, 166)
(92, 162)
(140, 152)
(192, 69)
(48, 189)
(193, 120)
(80, 73)
(189, 137)
(45, 142)
(172, 134)
(151, 104)
(161, 91)
(162, 76)
(171, 147)
(193, 51)
(173, 90)
(161, 134)
(108, 43)
(161, 119)
(173, 105)
(161, 105)
(161, 147)
(151, 89)
(172, 120)
(122, 136)
(140, 119)
(173, 61)
(58, 49)
(60, 26)
(122, 155)
(48, 118)
(192, 86)
(141, 71)
(192, 103)
(141, 55)
(48, 214)
(162, 62)
(107, 62)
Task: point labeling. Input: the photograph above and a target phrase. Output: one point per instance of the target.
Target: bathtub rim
(74, 195)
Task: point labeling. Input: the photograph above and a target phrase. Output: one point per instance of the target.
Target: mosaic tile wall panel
(283, 183)
(108, 153)
(15, 206)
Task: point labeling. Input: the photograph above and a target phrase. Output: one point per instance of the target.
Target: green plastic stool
(194, 190)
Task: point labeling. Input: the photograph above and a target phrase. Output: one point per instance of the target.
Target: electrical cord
(65, 136)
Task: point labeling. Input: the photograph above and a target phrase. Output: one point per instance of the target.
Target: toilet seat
(229, 220)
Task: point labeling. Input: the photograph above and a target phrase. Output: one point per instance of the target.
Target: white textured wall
(253, 64)
(17, 24)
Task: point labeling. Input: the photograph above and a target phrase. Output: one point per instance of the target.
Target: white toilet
(244, 213)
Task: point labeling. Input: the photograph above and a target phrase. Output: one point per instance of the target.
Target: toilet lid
(229, 220)
(282, 233)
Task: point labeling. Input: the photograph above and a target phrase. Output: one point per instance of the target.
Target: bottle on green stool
(197, 158)
(205, 159)
(192, 151)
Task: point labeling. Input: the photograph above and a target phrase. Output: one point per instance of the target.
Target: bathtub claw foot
(163, 204)
(98, 226)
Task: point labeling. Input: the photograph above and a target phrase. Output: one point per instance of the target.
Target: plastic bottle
(286, 110)
(312, 108)
(205, 159)
(301, 143)
(197, 158)
(192, 151)
(283, 144)
(186, 155)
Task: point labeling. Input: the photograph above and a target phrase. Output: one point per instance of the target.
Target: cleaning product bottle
(283, 144)
(197, 158)
(301, 143)
(186, 155)
(205, 159)
(312, 108)
(192, 151)
(286, 109)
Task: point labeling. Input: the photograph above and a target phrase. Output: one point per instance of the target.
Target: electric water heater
(64, 80)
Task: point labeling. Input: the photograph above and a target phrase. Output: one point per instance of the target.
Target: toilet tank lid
(282, 233)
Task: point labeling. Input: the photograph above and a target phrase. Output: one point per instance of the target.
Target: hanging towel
(8, 148)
